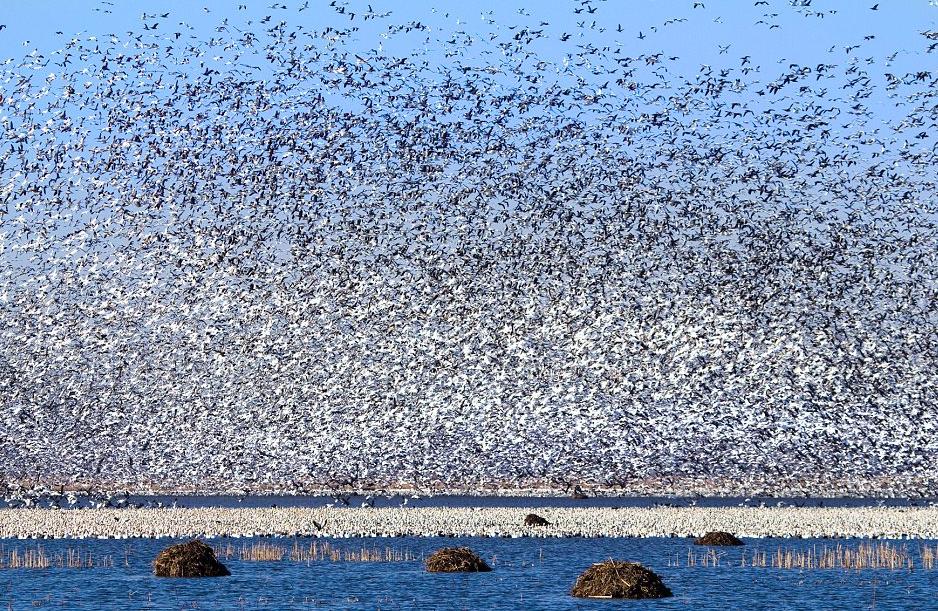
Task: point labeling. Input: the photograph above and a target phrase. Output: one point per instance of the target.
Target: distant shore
(870, 522)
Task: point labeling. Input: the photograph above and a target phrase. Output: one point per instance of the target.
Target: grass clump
(192, 559)
(718, 538)
(617, 579)
(456, 560)
(532, 519)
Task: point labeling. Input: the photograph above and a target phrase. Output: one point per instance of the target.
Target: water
(528, 574)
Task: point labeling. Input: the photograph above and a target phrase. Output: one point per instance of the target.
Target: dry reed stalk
(315, 551)
(37, 558)
(226, 551)
(865, 555)
(28, 559)
(928, 556)
(262, 552)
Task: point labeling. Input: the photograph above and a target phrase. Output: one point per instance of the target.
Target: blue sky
(771, 34)
(801, 36)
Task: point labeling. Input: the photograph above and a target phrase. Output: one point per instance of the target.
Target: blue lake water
(528, 574)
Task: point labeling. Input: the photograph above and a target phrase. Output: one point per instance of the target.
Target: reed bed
(38, 558)
(863, 556)
(710, 557)
(866, 555)
(315, 551)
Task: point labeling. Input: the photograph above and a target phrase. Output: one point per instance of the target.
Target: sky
(693, 37)
(801, 35)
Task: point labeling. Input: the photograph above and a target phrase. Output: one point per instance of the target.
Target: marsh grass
(315, 551)
(710, 557)
(880, 555)
(863, 556)
(38, 558)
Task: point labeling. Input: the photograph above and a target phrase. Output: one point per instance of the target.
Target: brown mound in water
(616, 579)
(192, 559)
(718, 537)
(456, 560)
(532, 519)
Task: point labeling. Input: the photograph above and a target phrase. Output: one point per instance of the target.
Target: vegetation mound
(532, 519)
(617, 579)
(456, 560)
(718, 538)
(192, 559)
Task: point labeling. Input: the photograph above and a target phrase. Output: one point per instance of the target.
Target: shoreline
(748, 522)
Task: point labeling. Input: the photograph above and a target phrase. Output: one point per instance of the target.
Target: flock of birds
(211, 522)
(271, 257)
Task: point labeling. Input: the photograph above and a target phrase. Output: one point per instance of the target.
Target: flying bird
(302, 256)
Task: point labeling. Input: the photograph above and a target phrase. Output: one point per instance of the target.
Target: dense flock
(867, 522)
(266, 256)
